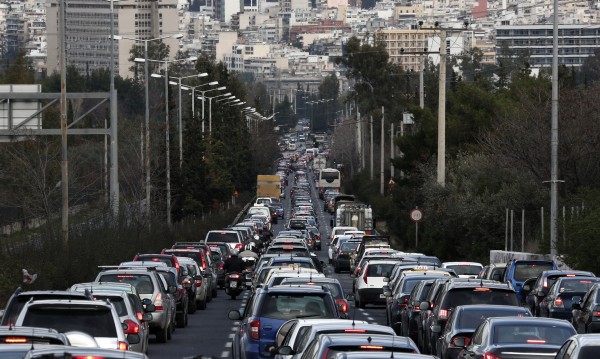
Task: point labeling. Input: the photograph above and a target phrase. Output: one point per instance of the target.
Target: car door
(586, 311)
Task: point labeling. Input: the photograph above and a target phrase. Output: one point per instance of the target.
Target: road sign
(416, 215)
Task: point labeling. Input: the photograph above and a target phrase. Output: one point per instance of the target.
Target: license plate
(233, 285)
(382, 296)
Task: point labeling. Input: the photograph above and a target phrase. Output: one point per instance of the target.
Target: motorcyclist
(234, 264)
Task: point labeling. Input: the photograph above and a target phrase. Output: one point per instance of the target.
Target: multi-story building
(575, 43)
(407, 48)
(88, 31)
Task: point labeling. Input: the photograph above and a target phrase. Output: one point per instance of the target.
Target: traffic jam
(313, 277)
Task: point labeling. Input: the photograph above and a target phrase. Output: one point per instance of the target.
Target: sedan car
(580, 347)
(517, 337)
(586, 313)
(566, 290)
(328, 345)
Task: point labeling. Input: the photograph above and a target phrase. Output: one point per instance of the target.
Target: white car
(368, 284)
(464, 269)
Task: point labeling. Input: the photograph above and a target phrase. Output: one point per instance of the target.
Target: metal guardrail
(244, 210)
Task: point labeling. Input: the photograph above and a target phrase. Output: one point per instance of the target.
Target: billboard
(14, 113)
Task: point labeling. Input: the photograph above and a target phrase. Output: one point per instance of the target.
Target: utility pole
(554, 139)
(382, 150)
(441, 157)
(421, 85)
(371, 124)
(114, 147)
(64, 163)
(359, 139)
(392, 149)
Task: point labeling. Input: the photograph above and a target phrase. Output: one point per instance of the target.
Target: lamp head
(204, 74)
(158, 76)
(139, 59)
(177, 36)
(213, 83)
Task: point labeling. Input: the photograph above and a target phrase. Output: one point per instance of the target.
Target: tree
(20, 72)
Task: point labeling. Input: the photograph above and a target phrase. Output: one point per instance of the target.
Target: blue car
(518, 271)
(268, 308)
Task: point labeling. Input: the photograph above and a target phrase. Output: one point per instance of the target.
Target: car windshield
(141, 282)
(524, 271)
(470, 319)
(465, 296)
(227, 237)
(289, 306)
(93, 321)
(465, 269)
(117, 302)
(380, 270)
(516, 333)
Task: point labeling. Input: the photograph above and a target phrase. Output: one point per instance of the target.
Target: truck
(354, 214)
(268, 186)
(319, 163)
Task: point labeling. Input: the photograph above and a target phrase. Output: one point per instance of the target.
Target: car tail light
(158, 302)
(355, 331)
(233, 276)
(558, 302)
(596, 313)
(365, 277)
(466, 339)
(221, 265)
(239, 246)
(536, 341)
(491, 356)
(443, 314)
(16, 340)
(186, 282)
(139, 316)
(358, 270)
(198, 283)
(255, 329)
(403, 302)
(342, 305)
(132, 327)
(123, 346)
(341, 254)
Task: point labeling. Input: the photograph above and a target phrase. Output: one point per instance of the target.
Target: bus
(319, 138)
(328, 178)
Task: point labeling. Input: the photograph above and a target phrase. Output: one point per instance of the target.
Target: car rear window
(516, 333)
(524, 271)
(349, 247)
(141, 282)
(465, 269)
(226, 237)
(465, 296)
(167, 260)
(289, 306)
(576, 285)
(293, 264)
(379, 270)
(117, 302)
(93, 321)
(14, 309)
(193, 255)
(589, 352)
(470, 319)
(334, 350)
(409, 284)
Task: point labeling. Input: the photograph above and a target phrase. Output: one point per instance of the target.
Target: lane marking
(225, 354)
(231, 336)
(229, 345)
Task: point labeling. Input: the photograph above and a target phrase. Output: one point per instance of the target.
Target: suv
(231, 237)
(93, 317)
(149, 285)
(370, 281)
(200, 254)
(17, 301)
(266, 311)
(460, 291)
(518, 271)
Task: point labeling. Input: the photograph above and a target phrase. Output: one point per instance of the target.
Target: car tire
(201, 304)
(336, 269)
(209, 296)
(193, 307)
(180, 320)
(170, 330)
(214, 292)
(163, 334)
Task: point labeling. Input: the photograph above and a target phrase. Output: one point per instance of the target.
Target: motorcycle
(234, 284)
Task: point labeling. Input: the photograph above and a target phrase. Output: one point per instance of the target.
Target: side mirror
(234, 315)
(386, 291)
(541, 293)
(526, 288)
(436, 329)
(150, 308)
(460, 342)
(285, 350)
(133, 338)
(576, 305)
(172, 289)
(146, 317)
(424, 306)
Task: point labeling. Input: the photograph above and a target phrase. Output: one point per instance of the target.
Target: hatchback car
(563, 293)
(267, 309)
(328, 345)
(516, 338)
(369, 283)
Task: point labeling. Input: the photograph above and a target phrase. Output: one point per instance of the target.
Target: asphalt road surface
(209, 332)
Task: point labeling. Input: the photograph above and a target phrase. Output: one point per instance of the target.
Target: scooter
(234, 284)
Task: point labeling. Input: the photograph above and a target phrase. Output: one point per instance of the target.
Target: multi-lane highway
(210, 332)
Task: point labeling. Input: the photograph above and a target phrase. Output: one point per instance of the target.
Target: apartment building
(406, 47)
(575, 43)
(88, 31)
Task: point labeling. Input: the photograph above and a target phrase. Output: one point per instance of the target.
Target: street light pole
(147, 133)
(167, 135)
(114, 148)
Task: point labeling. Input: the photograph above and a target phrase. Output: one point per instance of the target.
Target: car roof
(590, 339)
(381, 354)
(370, 339)
(62, 351)
(532, 320)
(476, 282)
(72, 302)
(295, 288)
(495, 307)
(445, 264)
(57, 293)
(93, 286)
(32, 332)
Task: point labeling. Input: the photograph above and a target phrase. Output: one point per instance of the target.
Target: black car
(463, 321)
(563, 293)
(536, 289)
(586, 313)
(422, 339)
(342, 258)
(461, 291)
(516, 338)
(409, 316)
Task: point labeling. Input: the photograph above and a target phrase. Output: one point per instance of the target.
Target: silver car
(149, 285)
(202, 289)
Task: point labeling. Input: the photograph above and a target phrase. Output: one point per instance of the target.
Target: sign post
(416, 215)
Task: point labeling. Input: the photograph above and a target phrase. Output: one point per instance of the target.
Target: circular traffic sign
(416, 215)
